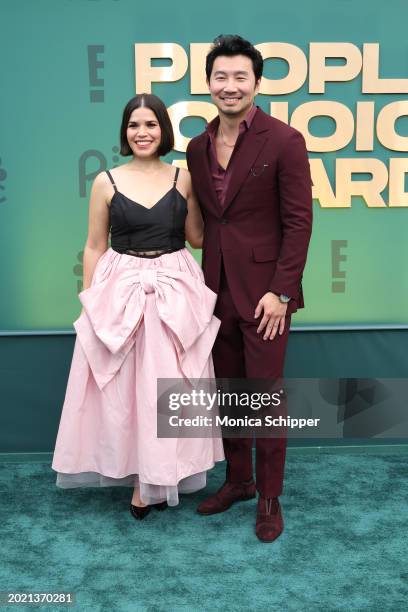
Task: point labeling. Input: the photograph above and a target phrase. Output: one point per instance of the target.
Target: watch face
(284, 298)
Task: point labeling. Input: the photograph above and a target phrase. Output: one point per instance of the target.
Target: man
(252, 178)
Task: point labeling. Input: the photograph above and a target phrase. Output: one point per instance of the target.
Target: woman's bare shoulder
(102, 188)
(100, 181)
(103, 181)
(184, 182)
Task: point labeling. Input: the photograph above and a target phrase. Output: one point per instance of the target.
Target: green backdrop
(56, 132)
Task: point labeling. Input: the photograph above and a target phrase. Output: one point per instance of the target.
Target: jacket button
(224, 221)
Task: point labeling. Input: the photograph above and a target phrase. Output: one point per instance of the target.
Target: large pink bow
(113, 311)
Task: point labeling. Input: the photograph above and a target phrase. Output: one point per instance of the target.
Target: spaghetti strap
(176, 176)
(111, 179)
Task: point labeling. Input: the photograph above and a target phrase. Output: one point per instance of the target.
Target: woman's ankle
(136, 501)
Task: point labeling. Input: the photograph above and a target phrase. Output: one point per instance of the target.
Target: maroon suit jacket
(262, 233)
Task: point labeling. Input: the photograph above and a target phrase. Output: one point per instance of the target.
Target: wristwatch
(284, 299)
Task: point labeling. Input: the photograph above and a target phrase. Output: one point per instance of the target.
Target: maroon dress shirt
(221, 176)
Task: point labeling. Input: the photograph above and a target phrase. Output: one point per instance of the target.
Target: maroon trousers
(239, 352)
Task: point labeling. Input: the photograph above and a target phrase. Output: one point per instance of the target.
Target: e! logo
(95, 63)
(3, 176)
(338, 286)
(78, 270)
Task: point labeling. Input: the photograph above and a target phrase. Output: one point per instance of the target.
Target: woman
(147, 314)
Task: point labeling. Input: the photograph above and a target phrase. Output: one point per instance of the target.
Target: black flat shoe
(139, 512)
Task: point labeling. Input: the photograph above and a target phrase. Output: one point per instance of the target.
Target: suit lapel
(246, 155)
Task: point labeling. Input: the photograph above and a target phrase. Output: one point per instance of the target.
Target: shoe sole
(228, 507)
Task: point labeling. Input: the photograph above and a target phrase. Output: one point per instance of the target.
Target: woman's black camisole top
(148, 232)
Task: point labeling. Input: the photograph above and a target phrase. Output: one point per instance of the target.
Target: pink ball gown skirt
(142, 319)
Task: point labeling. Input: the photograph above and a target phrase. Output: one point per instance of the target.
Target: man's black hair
(232, 44)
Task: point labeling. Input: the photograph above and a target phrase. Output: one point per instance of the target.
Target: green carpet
(344, 546)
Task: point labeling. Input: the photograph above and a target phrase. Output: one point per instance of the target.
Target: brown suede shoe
(228, 494)
(269, 521)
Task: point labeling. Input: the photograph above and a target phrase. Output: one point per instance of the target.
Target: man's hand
(273, 319)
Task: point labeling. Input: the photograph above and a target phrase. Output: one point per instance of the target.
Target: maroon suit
(256, 242)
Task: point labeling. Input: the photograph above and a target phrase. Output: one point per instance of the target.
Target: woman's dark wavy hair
(157, 106)
(232, 44)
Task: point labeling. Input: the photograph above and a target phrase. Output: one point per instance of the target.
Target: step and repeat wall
(336, 71)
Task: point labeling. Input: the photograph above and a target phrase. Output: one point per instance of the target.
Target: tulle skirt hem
(149, 493)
